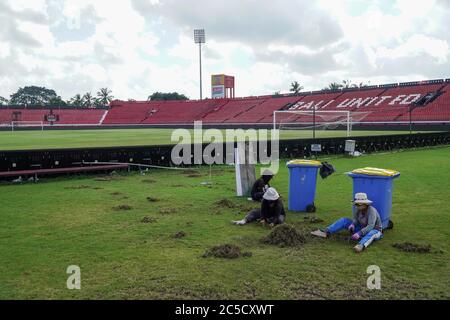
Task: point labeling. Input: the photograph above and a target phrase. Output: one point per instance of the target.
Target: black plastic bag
(326, 169)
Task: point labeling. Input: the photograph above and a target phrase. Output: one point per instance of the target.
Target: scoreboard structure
(222, 86)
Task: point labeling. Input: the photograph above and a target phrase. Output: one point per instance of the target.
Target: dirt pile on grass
(168, 210)
(284, 236)
(313, 220)
(149, 181)
(179, 235)
(412, 247)
(148, 219)
(225, 203)
(194, 175)
(111, 177)
(226, 251)
(123, 207)
(83, 186)
(189, 171)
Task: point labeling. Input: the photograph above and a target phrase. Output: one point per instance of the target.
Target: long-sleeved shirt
(258, 189)
(368, 221)
(271, 212)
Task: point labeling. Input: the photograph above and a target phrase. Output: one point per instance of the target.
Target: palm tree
(88, 100)
(296, 87)
(104, 95)
(76, 101)
(362, 84)
(333, 86)
(346, 84)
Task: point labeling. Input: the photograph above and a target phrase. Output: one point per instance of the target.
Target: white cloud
(136, 47)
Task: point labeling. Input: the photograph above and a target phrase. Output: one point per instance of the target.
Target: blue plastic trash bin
(378, 185)
(302, 183)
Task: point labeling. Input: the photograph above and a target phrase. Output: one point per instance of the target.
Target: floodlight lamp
(199, 35)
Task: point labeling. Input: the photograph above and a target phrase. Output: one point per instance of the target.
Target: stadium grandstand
(426, 102)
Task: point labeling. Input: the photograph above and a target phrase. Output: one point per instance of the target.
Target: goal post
(26, 124)
(302, 119)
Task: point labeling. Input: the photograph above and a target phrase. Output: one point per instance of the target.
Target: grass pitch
(143, 237)
(56, 139)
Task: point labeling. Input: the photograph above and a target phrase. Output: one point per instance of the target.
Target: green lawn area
(54, 139)
(62, 221)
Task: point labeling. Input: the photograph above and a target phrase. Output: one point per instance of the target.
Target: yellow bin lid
(376, 172)
(303, 162)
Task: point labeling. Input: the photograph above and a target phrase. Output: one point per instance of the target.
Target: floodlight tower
(199, 37)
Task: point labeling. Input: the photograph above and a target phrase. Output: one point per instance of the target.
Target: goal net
(26, 124)
(316, 120)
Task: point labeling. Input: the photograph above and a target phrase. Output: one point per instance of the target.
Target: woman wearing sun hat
(271, 211)
(261, 185)
(365, 226)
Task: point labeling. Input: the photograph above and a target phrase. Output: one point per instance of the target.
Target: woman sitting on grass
(261, 185)
(365, 226)
(271, 211)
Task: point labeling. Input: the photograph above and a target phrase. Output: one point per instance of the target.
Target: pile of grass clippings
(179, 234)
(148, 219)
(284, 235)
(412, 247)
(83, 186)
(148, 181)
(315, 220)
(225, 203)
(168, 210)
(226, 251)
(111, 177)
(123, 207)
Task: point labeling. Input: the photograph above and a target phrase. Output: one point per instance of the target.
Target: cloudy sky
(137, 47)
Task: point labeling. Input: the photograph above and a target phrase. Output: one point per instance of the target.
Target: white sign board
(350, 145)
(316, 148)
(218, 92)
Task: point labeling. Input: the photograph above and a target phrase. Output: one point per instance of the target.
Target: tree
(277, 94)
(167, 96)
(56, 102)
(296, 87)
(346, 84)
(104, 96)
(98, 103)
(88, 100)
(77, 101)
(3, 101)
(33, 95)
(333, 86)
(363, 85)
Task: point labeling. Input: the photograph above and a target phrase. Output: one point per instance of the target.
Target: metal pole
(348, 124)
(410, 119)
(274, 120)
(314, 122)
(200, 59)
